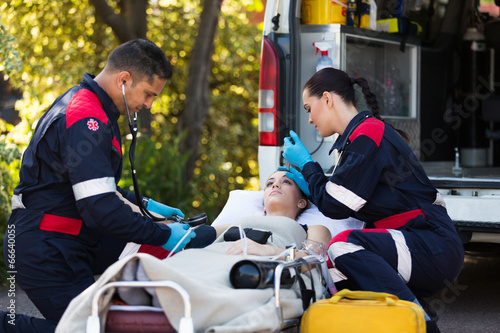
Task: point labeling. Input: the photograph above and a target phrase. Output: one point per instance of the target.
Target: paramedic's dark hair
(337, 81)
(142, 59)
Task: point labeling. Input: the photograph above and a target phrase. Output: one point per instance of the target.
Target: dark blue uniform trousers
(53, 268)
(408, 263)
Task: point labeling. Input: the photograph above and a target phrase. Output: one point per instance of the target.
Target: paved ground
(472, 304)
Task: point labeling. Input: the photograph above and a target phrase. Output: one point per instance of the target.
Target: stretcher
(123, 318)
(279, 308)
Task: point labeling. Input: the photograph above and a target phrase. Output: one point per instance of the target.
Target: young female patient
(283, 200)
(283, 203)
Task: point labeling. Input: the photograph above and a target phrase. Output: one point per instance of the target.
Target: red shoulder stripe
(116, 145)
(372, 128)
(83, 105)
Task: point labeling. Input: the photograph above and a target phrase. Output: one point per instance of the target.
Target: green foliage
(9, 153)
(9, 57)
(58, 41)
(161, 173)
(9, 168)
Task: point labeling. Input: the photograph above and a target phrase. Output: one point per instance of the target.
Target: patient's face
(282, 196)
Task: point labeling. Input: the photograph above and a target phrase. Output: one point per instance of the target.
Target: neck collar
(107, 103)
(343, 140)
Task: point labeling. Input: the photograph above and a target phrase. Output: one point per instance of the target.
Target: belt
(50, 222)
(398, 220)
(65, 225)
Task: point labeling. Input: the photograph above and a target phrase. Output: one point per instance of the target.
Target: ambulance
(435, 69)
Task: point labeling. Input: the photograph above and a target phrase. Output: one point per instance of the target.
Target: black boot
(431, 327)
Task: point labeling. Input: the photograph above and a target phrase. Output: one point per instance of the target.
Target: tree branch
(114, 20)
(197, 88)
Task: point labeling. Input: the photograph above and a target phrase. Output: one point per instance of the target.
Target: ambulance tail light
(269, 95)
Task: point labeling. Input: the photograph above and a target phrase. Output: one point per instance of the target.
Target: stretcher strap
(307, 294)
(244, 242)
(61, 224)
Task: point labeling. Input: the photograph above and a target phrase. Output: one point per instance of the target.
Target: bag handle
(390, 299)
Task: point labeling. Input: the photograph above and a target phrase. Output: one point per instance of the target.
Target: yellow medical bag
(363, 311)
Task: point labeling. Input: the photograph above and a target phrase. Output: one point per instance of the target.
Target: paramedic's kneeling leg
(396, 261)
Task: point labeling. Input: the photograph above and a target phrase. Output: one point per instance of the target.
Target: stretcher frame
(186, 322)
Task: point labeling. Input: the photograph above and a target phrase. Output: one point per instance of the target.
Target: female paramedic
(410, 247)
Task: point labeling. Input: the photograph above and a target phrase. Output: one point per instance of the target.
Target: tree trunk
(197, 101)
(130, 24)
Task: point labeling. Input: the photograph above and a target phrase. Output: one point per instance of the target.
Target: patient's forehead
(277, 175)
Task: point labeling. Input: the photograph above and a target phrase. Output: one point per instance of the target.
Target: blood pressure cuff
(205, 235)
(260, 236)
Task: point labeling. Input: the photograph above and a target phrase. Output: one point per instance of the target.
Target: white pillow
(242, 203)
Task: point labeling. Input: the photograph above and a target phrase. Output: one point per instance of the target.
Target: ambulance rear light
(266, 99)
(269, 95)
(266, 122)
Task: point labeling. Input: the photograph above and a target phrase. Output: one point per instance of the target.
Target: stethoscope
(193, 221)
(131, 156)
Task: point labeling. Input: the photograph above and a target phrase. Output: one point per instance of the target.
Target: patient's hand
(253, 248)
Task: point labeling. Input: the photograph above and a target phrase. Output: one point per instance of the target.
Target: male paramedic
(67, 217)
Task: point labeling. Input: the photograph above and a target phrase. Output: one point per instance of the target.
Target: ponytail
(370, 98)
(337, 81)
(371, 101)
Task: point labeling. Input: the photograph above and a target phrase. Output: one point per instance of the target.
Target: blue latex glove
(297, 177)
(178, 230)
(162, 209)
(295, 152)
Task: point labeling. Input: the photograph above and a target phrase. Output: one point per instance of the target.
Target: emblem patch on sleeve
(93, 125)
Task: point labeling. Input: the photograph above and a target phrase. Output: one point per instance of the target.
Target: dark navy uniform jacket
(69, 176)
(378, 180)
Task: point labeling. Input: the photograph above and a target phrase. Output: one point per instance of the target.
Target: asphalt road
(471, 304)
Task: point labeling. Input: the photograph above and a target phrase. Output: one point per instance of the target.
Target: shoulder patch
(84, 104)
(372, 128)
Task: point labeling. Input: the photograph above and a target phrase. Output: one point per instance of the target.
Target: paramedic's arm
(351, 185)
(156, 208)
(94, 186)
(129, 195)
